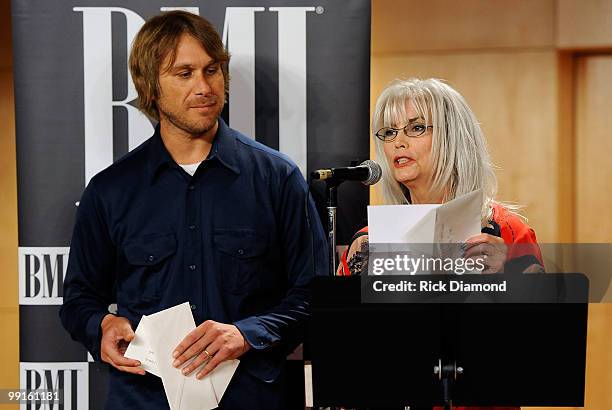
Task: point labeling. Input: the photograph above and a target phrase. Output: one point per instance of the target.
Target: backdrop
(300, 74)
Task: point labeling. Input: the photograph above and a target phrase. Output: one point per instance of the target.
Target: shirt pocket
(241, 257)
(148, 259)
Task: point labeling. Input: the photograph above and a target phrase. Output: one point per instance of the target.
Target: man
(197, 213)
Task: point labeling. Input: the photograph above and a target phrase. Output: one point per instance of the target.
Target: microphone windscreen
(375, 172)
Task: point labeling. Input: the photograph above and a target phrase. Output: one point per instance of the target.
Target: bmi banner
(300, 74)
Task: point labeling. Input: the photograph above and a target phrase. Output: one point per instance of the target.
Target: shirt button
(193, 307)
(192, 227)
(151, 258)
(192, 267)
(240, 251)
(191, 187)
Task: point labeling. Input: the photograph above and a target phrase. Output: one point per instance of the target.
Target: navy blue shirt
(240, 241)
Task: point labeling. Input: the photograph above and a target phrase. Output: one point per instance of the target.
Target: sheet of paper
(452, 222)
(390, 223)
(424, 230)
(459, 219)
(156, 337)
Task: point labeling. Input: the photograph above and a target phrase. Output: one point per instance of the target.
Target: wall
(9, 303)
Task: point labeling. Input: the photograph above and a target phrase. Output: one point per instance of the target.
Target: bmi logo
(41, 275)
(69, 380)
(239, 38)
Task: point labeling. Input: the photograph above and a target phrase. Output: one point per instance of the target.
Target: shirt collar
(223, 150)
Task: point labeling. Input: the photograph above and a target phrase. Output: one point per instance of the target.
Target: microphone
(368, 172)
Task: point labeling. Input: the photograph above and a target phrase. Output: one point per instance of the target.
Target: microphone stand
(368, 172)
(331, 200)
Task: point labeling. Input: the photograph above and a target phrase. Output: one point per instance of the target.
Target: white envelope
(139, 349)
(156, 337)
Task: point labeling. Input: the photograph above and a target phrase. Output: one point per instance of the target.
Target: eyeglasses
(413, 130)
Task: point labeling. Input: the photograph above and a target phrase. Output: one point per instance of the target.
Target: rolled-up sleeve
(88, 285)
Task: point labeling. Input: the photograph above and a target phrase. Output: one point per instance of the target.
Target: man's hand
(211, 342)
(491, 248)
(117, 333)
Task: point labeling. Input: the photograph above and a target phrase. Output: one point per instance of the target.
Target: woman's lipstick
(402, 161)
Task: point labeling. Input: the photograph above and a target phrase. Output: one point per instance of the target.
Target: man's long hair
(157, 39)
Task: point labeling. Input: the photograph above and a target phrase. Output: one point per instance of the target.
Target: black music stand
(502, 354)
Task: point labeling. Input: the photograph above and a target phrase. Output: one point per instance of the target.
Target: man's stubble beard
(193, 128)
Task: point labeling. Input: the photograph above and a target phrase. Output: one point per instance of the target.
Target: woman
(432, 150)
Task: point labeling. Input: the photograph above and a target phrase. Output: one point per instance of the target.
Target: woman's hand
(491, 249)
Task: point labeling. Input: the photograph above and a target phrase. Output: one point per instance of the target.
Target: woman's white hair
(461, 162)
